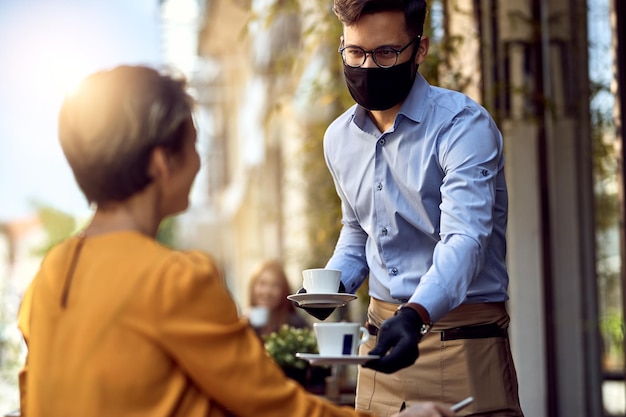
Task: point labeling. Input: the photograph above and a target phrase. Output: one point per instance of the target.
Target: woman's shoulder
(191, 280)
(153, 258)
(197, 260)
(187, 268)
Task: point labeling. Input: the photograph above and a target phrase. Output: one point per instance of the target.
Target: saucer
(317, 359)
(322, 300)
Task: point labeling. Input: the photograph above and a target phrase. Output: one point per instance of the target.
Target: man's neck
(384, 119)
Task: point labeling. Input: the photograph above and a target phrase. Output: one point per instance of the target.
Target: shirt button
(384, 231)
(394, 271)
(381, 142)
(379, 186)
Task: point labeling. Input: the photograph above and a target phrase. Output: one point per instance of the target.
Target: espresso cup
(337, 339)
(321, 280)
(258, 316)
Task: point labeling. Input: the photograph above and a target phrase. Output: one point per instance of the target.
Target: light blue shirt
(424, 204)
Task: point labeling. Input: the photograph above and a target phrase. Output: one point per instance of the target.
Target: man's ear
(158, 167)
(422, 51)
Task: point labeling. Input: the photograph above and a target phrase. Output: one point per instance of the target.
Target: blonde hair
(109, 125)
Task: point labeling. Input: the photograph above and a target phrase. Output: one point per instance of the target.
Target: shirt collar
(413, 105)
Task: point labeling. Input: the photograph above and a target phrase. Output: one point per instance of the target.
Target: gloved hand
(400, 334)
(319, 313)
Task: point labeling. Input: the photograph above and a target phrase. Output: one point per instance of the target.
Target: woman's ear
(158, 167)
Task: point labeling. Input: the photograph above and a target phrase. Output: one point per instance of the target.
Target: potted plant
(283, 345)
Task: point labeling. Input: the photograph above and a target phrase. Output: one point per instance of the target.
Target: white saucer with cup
(340, 339)
(321, 287)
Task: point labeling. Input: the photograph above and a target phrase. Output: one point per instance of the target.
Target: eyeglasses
(384, 56)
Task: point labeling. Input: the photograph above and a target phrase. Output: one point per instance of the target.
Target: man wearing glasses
(420, 174)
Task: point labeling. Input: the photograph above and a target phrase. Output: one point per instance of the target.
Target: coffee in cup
(337, 339)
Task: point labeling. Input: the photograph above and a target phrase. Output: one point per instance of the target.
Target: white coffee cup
(258, 316)
(321, 280)
(336, 339)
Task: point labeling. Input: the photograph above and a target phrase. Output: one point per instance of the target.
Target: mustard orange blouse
(119, 325)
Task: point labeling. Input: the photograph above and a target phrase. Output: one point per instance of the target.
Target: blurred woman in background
(268, 290)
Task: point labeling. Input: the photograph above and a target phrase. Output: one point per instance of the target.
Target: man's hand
(319, 313)
(397, 342)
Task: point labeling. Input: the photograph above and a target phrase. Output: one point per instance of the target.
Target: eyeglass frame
(372, 53)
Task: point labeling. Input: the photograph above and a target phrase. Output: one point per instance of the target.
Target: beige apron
(446, 371)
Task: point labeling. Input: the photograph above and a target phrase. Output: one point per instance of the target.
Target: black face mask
(380, 88)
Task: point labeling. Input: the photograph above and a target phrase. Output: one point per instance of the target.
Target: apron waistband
(481, 331)
(467, 321)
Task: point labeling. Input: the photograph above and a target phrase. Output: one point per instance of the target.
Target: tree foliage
(57, 226)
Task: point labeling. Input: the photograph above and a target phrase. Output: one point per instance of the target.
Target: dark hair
(350, 11)
(110, 124)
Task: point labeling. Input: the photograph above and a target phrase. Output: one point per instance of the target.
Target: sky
(46, 46)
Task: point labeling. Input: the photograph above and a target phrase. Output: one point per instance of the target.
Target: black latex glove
(398, 335)
(319, 313)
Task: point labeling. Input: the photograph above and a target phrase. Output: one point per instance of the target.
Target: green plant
(612, 327)
(283, 345)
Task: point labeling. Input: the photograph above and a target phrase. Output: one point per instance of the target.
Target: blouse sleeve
(200, 327)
